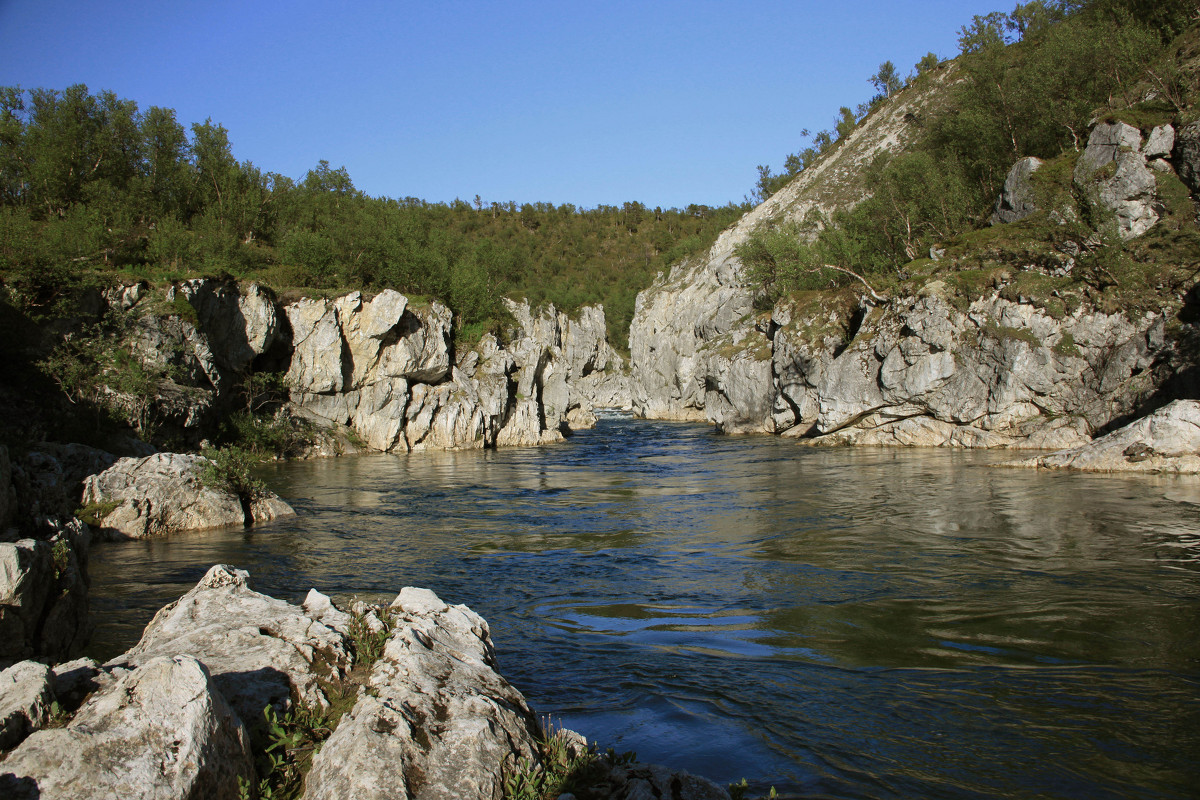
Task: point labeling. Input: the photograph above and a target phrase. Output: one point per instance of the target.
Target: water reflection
(853, 623)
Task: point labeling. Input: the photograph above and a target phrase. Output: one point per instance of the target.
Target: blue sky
(664, 102)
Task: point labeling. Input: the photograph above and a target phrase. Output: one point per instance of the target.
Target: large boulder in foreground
(161, 731)
(163, 493)
(26, 695)
(1166, 441)
(168, 719)
(260, 651)
(436, 720)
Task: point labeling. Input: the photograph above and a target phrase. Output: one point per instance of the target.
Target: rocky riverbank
(232, 693)
(1167, 441)
(1003, 341)
(387, 370)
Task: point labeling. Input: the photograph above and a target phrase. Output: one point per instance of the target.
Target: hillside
(896, 292)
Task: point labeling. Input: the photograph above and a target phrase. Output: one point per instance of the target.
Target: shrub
(279, 436)
(230, 469)
(94, 513)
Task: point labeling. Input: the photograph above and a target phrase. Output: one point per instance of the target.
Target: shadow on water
(849, 623)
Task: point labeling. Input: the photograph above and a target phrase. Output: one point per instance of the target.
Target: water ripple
(838, 623)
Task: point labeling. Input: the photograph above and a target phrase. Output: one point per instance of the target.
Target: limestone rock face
(1166, 441)
(259, 650)
(1187, 155)
(689, 323)
(915, 371)
(384, 367)
(43, 594)
(930, 370)
(1114, 167)
(162, 493)
(349, 345)
(316, 347)
(435, 720)
(1016, 200)
(1160, 142)
(674, 320)
(26, 693)
(921, 372)
(160, 731)
(238, 324)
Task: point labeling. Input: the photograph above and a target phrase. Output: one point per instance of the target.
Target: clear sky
(660, 101)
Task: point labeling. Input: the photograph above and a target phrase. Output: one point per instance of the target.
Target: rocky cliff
(695, 342)
(387, 368)
(966, 352)
(378, 372)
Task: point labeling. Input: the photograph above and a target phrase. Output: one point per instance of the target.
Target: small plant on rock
(368, 642)
(94, 513)
(564, 768)
(229, 469)
(61, 554)
(291, 741)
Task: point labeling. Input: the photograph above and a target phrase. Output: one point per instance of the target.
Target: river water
(851, 623)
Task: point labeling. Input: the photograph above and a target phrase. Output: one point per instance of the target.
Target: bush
(229, 469)
(279, 436)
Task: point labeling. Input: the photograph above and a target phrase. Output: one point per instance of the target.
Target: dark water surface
(853, 623)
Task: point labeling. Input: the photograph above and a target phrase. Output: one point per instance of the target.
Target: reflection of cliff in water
(848, 622)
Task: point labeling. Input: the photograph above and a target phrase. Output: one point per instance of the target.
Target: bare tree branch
(876, 296)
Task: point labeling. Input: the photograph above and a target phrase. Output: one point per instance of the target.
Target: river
(850, 623)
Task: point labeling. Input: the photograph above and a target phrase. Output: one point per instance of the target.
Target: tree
(216, 168)
(1033, 18)
(165, 168)
(634, 213)
(886, 81)
(529, 217)
(984, 32)
(928, 61)
(13, 177)
(845, 123)
(323, 179)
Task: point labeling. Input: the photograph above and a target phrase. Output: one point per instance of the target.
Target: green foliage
(291, 741)
(928, 62)
(561, 770)
(985, 32)
(368, 644)
(275, 436)
(90, 186)
(95, 369)
(886, 81)
(94, 513)
(60, 554)
(313, 253)
(180, 307)
(1066, 347)
(1031, 83)
(780, 261)
(1005, 333)
(59, 716)
(1037, 97)
(230, 469)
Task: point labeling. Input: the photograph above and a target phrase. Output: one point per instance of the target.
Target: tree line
(92, 189)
